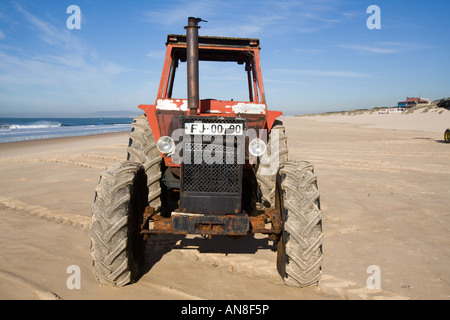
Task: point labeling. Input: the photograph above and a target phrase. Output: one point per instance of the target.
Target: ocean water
(23, 129)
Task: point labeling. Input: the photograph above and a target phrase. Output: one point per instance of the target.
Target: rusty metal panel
(268, 222)
(210, 224)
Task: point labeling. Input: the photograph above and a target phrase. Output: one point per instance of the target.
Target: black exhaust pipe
(192, 64)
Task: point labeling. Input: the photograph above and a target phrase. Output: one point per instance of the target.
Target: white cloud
(309, 51)
(255, 18)
(380, 48)
(387, 47)
(326, 73)
(156, 54)
(177, 12)
(112, 69)
(67, 72)
(61, 38)
(2, 35)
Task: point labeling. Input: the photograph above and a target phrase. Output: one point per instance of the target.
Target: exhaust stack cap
(193, 22)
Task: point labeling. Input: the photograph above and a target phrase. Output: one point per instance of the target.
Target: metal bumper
(213, 224)
(210, 224)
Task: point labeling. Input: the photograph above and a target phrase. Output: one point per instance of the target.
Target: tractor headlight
(165, 145)
(257, 147)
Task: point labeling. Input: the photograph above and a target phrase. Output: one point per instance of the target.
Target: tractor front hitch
(267, 222)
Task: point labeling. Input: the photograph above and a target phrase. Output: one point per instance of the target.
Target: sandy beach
(385, 194)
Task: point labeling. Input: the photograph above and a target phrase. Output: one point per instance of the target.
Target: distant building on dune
(413, 102)
(392, 110)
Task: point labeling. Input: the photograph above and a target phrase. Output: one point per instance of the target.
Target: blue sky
(317, 55)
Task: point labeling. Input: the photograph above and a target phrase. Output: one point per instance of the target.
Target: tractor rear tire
(142, 149)
(447, 136)
(117, 247)
(299, 254)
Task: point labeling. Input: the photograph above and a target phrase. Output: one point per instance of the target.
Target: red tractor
(207, 167)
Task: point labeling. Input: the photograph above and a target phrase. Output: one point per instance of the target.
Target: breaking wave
(33, 125)
(20, 129)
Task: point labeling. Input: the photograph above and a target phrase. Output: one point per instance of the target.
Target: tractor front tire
(267, 170)
(299, 254)
(117, 247)
(447, 136)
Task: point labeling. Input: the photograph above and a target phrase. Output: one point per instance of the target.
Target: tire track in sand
(82, 160)
(74, 220)
(264, 267)
(234, 263)
(9, 279)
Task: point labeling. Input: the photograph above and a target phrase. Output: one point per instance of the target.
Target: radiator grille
(211, 163)
(211, 178)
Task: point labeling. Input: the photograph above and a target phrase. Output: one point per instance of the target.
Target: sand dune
(429, 118)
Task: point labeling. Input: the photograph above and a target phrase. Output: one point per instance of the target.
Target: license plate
(211, 129)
